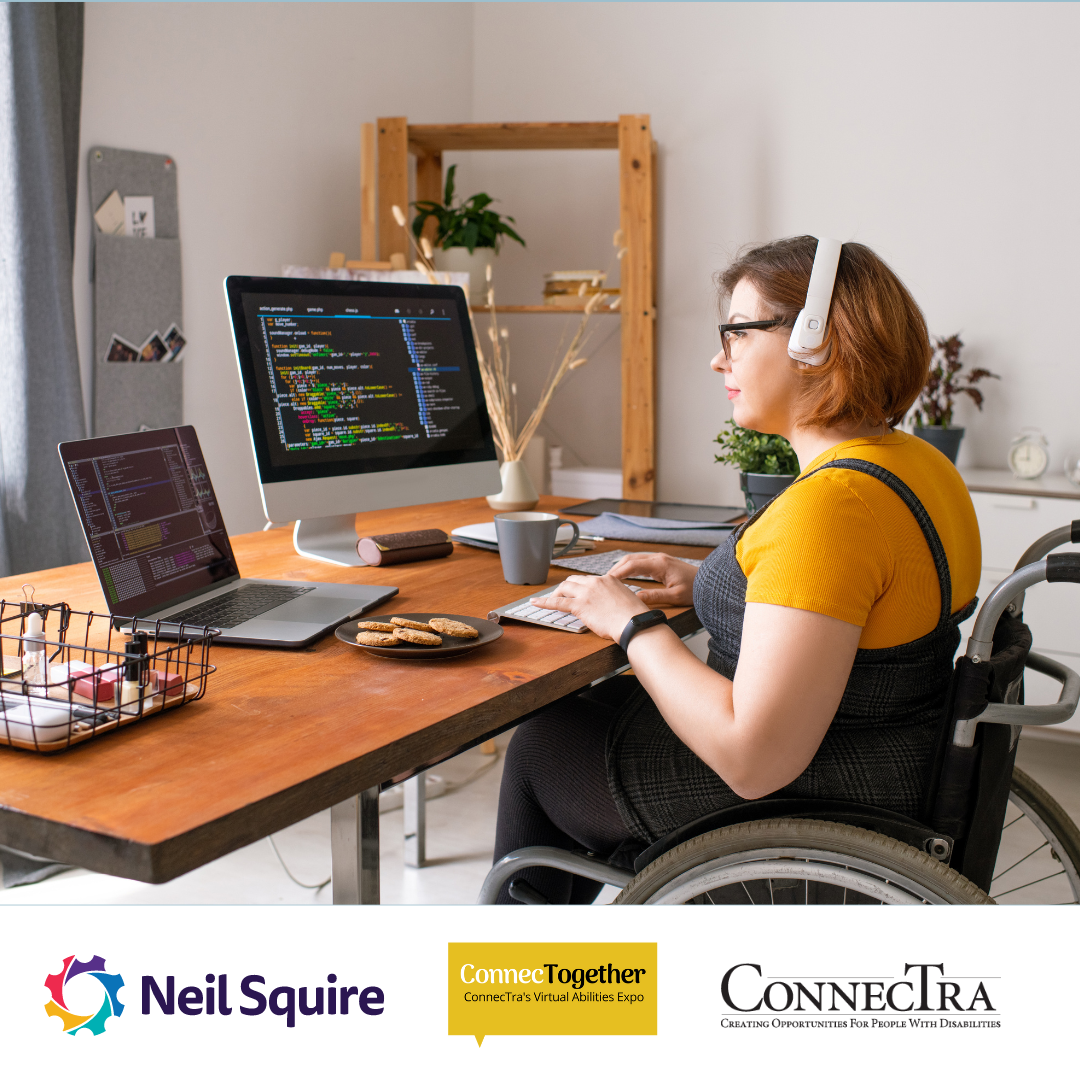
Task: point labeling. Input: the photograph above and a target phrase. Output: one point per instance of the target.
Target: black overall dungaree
(879, 747)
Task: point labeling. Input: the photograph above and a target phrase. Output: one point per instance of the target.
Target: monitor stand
(328, 539)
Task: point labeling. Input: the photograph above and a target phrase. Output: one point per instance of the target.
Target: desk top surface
(282, 734)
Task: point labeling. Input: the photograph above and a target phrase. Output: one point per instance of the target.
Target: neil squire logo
(95, 997)
(85, 971)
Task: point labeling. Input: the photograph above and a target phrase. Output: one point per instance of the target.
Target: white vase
(458, 259)
(518, 492)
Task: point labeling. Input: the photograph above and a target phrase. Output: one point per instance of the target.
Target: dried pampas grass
(502, 398)
(501, 393)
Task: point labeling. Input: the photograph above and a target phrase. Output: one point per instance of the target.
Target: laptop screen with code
(150, 517)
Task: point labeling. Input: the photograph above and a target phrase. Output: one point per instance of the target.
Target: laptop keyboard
(236, 607)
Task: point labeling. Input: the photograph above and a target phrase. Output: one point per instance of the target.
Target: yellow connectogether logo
(545, 988)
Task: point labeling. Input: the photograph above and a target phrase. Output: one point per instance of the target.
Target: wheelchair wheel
(1039, 857)
(798, 861)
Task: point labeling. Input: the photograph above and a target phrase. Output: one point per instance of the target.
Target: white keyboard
(602, 561)
(525, 611)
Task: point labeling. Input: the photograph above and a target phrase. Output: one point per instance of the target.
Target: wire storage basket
(67, 676)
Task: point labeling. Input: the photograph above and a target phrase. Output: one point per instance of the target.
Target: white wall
(261, 106)
(941, 135)
(566, 207)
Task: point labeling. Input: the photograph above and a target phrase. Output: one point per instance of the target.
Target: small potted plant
(766, 463)
(934, 409)
(467, 235)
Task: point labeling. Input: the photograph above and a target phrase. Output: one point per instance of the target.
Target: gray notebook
(137, 292)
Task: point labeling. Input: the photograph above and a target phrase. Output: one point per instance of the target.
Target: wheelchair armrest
(1006, 596)
(1028, 715)
(1067, 534)
(1065, 567)
(592, 868)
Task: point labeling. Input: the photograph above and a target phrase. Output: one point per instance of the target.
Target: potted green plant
(766, 463)
(467, 234)
(934, 409)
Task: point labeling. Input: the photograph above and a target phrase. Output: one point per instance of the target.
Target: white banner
(216, 991)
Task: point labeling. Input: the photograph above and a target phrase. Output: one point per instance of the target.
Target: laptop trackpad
(315, 609)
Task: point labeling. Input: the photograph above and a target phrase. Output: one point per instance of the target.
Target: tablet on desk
(711, 515)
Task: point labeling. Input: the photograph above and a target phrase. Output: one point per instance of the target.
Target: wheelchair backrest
(969, 793)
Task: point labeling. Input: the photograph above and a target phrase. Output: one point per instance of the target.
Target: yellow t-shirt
(844, 544)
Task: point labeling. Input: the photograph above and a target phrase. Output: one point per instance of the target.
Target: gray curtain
(41, 400)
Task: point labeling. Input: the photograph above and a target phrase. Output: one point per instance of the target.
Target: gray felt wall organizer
(137, 290)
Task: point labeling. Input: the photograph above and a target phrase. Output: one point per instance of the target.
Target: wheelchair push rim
(783, 870)
(798, 860)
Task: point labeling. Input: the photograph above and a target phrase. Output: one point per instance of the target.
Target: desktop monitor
(360, 395)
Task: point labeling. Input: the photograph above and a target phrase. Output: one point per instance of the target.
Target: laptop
(154, 529)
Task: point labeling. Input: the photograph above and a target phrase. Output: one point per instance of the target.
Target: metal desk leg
(416, 820)
(354, 848)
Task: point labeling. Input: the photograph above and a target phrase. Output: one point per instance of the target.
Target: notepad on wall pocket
(109, 216)
(139, 216)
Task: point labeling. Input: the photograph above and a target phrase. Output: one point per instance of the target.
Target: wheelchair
(987, 833)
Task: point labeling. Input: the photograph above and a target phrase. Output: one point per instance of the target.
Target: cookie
(454, 629)
(382, 627)
(416, 637)
(397, 621)
(372, 637)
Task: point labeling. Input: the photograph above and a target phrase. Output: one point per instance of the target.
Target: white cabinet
(1009, 522)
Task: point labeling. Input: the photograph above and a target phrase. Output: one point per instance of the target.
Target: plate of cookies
(417, 635)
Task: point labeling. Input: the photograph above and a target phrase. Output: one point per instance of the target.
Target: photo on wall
(175, 341)
(121, 351)
(153, 349)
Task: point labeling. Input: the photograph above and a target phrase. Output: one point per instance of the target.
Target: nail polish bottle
(133, 688)
(33, 660)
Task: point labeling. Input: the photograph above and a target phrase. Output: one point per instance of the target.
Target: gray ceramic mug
(526, 542)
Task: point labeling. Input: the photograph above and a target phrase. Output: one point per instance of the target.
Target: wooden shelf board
(539, 309)
(433, 138)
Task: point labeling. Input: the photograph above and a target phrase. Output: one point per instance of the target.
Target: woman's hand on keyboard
(603, 604)
(676, 577)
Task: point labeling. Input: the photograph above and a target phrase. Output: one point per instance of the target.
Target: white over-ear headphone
(809, 329)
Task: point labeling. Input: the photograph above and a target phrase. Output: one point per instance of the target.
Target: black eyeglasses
(729, 330)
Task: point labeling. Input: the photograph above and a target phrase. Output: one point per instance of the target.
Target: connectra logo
(110, 1003)
(923, 996)
(549, 988)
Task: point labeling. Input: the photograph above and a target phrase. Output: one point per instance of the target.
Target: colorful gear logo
(110, 1004)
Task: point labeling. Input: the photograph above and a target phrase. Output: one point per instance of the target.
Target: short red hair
(879, 356)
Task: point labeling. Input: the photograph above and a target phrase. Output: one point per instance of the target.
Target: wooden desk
(283, 734)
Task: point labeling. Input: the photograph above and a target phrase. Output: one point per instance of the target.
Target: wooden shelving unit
(631, 136)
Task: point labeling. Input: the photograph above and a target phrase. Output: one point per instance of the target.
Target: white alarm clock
(1029, 454)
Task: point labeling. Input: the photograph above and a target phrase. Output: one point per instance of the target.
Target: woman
(832, 613)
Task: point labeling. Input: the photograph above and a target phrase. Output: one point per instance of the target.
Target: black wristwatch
(641, 622)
